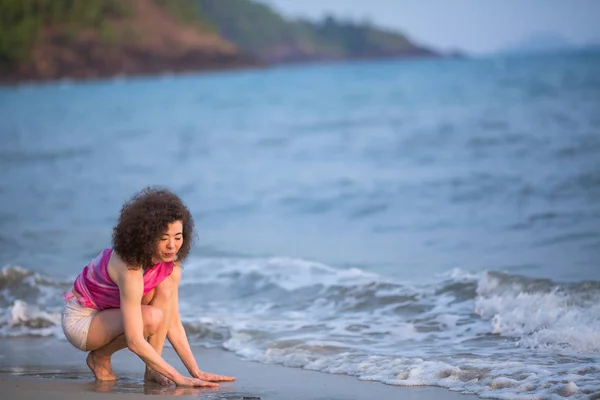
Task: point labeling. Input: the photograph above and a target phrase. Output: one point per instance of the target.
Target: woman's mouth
(168, 255)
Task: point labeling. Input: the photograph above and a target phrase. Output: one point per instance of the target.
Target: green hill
(80, 39)
(260, 31)
(53, 39)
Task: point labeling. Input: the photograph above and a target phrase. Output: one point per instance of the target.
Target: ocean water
(431, 222)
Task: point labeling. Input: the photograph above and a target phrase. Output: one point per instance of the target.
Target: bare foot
(101, 367)
(153, 376)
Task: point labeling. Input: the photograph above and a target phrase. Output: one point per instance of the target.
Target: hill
(53, 39)
(84, 39)
(259, 30)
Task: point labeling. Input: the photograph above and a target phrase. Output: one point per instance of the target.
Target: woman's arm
(131, 287)
(178, 338)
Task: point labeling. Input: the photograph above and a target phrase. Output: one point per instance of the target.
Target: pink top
(98, 290)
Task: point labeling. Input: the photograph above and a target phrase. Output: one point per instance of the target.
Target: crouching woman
(127, 297)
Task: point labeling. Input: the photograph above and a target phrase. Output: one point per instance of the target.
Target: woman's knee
(153, 319)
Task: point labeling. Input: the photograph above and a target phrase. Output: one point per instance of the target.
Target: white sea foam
(556, 320)
(288, 273)
(22, 319)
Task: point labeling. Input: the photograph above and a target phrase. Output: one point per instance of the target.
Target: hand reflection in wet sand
(148, 388)
(173, 390)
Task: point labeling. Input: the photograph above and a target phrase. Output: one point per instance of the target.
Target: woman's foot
(153, 376)
(101, 367)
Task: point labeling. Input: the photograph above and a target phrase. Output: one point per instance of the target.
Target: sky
(474, 26)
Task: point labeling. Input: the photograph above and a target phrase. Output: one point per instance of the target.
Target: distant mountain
(543, 42)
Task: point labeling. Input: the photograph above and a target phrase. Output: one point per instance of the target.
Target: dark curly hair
(143, 220)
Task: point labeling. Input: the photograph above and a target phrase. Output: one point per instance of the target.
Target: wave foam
(541, 317)
(23, 319)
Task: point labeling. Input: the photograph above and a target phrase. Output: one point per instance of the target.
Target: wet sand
(44, 368)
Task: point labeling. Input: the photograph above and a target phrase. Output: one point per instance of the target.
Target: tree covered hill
(259, 30)
(54, 39)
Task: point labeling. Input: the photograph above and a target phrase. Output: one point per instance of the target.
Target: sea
(411, 222)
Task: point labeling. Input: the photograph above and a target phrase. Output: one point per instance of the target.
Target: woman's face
(170, 243)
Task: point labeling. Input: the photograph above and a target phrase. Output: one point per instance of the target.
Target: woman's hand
(207, 376)
(185, 381)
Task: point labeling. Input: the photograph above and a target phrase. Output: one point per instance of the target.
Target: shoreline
(29, 367)
(16, 81)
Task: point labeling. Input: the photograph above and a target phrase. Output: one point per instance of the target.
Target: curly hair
(142, 222)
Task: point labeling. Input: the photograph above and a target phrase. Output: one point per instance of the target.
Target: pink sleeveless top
(98, 290)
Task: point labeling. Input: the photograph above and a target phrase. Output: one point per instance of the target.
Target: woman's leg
(163, 300)
(105, 337)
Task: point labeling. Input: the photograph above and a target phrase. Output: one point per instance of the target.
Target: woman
(128, 295)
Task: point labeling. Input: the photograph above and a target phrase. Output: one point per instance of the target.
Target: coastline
(15, 80)
(10, 79)
(59, 372)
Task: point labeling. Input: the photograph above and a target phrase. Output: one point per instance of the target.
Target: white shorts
(76, 320)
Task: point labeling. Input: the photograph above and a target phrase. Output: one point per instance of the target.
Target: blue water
(411, 167)
(485, 172)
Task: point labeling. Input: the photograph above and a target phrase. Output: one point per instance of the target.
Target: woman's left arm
(178, 338)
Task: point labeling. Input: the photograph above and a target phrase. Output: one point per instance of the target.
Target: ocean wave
(492, 333)
(22, 320)
(541, 313)
(17, 283)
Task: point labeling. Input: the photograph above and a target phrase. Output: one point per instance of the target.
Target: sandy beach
(45, 368)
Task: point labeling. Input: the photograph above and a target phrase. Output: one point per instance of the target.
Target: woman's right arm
(131, 287)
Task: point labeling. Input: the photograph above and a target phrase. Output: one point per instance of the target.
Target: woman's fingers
(207, 376)
(202, 383)
(185, 381)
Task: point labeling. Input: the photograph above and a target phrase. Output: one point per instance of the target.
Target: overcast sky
(477, 26)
